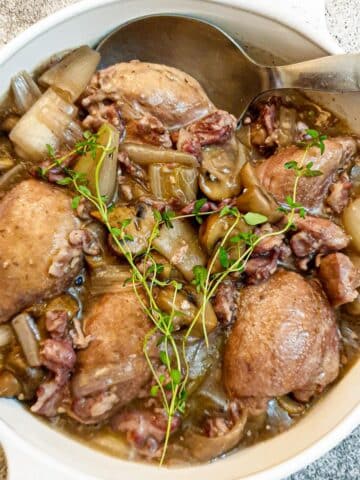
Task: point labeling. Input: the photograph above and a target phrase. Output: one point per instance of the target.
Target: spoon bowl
(229, 76)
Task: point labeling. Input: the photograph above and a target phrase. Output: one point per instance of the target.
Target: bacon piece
(340, 278)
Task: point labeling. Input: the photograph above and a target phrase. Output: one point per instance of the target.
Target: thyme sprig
(171, 383)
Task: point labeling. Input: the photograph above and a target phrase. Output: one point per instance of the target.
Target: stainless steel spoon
(230, 77)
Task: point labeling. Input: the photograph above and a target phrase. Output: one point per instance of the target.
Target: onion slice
(28, 336)
(25, 91)
(180, 245)
(108, 138)
(50, 121)
(72, 74)
(148, 155)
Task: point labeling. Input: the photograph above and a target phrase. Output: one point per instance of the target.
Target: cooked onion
(9, 385)
(50, 121)
(108, 137)
(6, 335)
(180, 245)
(111, 279)
(11, 176)
(72, 74)
(186, 305)
(28, 336)
(147, 155)
(351, 219)
(180, 183)
(25, 91)
(206, 448)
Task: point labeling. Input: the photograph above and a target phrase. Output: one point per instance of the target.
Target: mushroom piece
(255, 198)
(139, 221)
(215, 227)
(220, 170)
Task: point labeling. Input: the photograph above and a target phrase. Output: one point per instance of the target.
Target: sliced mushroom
(248, 176)
(139, 229)
(256, 199)
(290, 405)
(220, 170)
(214, 229)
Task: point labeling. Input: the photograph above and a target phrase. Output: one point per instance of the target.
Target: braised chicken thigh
(36, 259)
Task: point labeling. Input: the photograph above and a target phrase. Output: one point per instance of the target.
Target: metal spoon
(230, 77)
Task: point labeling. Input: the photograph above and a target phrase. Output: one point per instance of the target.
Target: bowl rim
(352, 419)
(319, 37)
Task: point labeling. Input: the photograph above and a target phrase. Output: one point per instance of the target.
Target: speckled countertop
(343, 18)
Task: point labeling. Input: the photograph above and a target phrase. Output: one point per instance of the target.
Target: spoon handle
(336, 73)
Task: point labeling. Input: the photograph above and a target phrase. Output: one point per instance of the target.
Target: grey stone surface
(343, 19)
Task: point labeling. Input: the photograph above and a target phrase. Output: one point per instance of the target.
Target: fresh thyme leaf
(175, 376)
(75, 202)
(157, 215)
(41, 172)
(291, 165)
(155, 268)
(87, 134)
(154, 390)
(309, 172)
(167, 217)
(253, 219)
(200, 275)
(162, 378)
(176, 285)
(312, 133)
(50, 150)
(125, 223)
(128, 238)
(116, 232)
(84, 190)
(249, 238)
(302, 212)
(229, 211)
(164, 357)
(64, 181)
(197, 208)
(224, 257)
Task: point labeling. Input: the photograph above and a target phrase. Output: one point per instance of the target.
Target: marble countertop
(343, 19)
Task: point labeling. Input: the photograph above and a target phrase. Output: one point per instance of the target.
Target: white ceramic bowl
(292, 30)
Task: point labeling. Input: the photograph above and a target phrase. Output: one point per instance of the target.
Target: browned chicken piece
(340, 278)
(339, 194)
(36, 259)
(139, 89)
(113, 370)
(284, 340)
(311, 191)
(317, 235)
